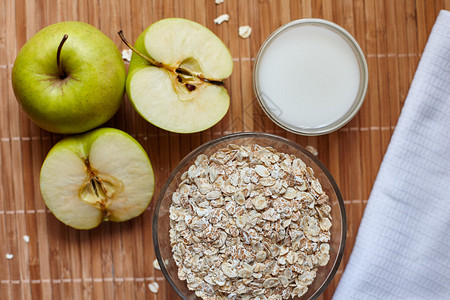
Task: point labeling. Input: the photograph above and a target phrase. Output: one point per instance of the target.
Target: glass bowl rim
(239, 135)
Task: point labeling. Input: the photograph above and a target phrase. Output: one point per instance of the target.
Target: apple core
(100, 189)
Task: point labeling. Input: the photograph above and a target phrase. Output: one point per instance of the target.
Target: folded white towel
(402, 249)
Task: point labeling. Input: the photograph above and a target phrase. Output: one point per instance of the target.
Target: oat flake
(245, 31)
(312, 150)
(126, 54)
(156, 265)
(153, 287)
(222, 18)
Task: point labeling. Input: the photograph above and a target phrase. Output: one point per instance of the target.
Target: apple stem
(62, 74)
(151, 61)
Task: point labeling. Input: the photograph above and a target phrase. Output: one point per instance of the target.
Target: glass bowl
(161, 224)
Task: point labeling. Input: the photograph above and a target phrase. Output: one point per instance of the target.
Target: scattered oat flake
(219, 1)
(156, 265)
(126, 54)
(9, 256)
(153, 287)
(222, 18)
(312, 150)
(26, 238)
(245, 31)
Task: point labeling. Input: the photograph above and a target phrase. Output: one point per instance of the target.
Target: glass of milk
(310, 77)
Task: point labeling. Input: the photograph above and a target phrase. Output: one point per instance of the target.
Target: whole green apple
(103, 174)
(69, 84)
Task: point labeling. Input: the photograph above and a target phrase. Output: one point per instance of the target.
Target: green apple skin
(138, 64)
(93, 89)
(117, 155)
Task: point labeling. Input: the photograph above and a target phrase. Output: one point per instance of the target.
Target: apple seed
(184, 78)
(190, 87)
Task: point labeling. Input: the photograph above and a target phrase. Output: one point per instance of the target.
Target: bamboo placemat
(114, 261)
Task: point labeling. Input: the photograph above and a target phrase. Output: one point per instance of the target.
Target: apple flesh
(101, 175)
(88, 89)
(175, 80)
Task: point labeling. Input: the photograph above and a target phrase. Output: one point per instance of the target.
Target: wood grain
(114, 261)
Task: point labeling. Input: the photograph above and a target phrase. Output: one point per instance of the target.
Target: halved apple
(175, 76)
(101, 175)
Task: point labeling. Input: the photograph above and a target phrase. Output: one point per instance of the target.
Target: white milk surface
(309, 76)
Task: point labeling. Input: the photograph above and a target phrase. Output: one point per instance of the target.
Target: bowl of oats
(249, 216)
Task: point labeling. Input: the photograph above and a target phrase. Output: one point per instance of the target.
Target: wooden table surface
(114, 261)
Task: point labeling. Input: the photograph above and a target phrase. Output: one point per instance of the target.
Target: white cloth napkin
(402, 249)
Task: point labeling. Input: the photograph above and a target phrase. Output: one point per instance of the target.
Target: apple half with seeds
(104, 174)
(176, 75)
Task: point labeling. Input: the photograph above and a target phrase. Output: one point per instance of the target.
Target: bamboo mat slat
(114, 261)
